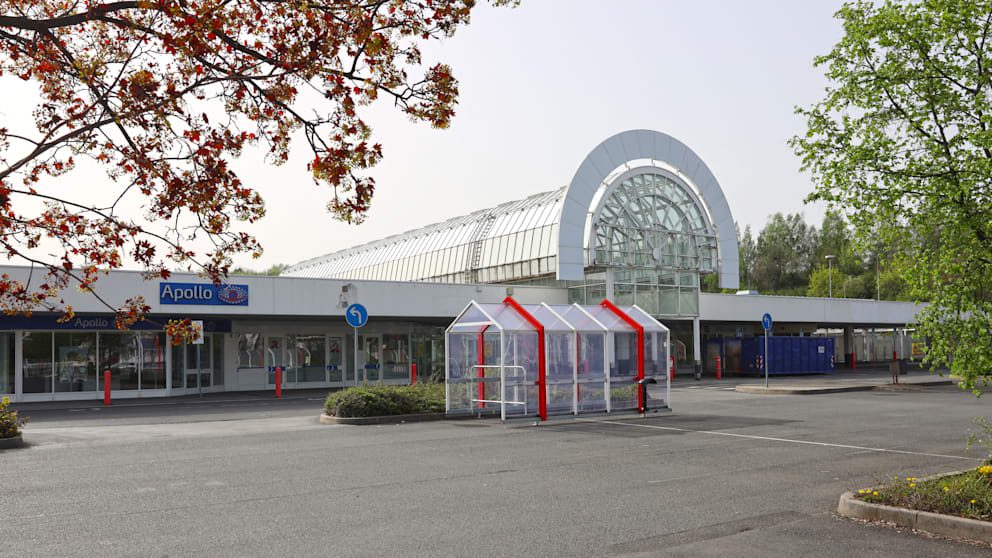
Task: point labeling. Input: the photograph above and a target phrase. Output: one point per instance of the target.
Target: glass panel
(37, 365)
(7, 363)
(75, 362)
(395, 357)
(251, 353)
(120, 353)
(152, 360)
(369, 347)
(335, 361)
(274, 357)
(311, 357)
(179, 367)
(218, 361)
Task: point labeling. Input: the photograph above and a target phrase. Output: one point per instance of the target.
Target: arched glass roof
(510, 241)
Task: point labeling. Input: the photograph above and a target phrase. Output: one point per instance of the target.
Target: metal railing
(502, 387)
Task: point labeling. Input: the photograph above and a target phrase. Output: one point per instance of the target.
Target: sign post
(766, 322)
(198, 341)
(357, 316)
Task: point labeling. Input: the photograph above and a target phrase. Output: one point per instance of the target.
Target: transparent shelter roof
(478, 316)
(606, 317)
(577, 317)
(647, 322)
(548, 318)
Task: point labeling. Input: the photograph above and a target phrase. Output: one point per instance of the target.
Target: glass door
(370, 358)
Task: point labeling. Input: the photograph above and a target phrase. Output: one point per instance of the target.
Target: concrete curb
(11, 443)
(785, 390)
(939, 524)
(391, 419)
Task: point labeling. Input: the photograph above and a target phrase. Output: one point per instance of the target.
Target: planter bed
(10, 443)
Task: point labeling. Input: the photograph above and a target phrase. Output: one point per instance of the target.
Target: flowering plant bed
(10, 421)
(966, 494)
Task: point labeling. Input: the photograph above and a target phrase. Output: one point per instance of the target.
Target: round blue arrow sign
(766, 321)
(356, 315)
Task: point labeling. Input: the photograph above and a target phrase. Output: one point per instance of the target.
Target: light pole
(830, 265)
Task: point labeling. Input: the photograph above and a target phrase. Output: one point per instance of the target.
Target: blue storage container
(789, 355)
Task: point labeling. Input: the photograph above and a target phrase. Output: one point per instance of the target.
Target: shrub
(10, 421)
(379, 400)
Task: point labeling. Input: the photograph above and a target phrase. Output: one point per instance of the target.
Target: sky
(543, 84)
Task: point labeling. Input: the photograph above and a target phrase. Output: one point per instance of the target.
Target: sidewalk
(836, 382)
(179, 400)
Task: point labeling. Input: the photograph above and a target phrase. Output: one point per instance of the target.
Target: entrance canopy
(540, 359)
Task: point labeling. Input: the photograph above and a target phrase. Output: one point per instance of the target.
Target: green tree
(782, 259)
(747, 250)
(902, 142)
(821, 279)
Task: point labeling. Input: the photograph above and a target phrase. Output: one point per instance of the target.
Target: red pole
(106, 387)
(672, 369)
(640, 344)
(894, 357)
(413, 374)
(481, 350)
(278, 382)
(854, 360)
(718, 375)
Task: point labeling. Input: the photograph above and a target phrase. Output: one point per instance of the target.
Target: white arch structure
(666, 153)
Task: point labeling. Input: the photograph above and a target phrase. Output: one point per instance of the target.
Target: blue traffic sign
(766, 321)
(356, 315)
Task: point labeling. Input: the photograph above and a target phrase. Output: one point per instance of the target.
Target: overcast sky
(543, 84)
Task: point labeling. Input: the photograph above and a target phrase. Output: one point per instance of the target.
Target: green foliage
(273, 270)
(782, 254)
(10, 421)
(982, 438)
(381, 400)
(821, 279)
(967, 495)
(902, 143)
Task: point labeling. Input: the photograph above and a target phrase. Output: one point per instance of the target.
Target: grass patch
(968, 494)
(379, 400)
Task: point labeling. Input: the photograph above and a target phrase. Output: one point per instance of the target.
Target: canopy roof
(478, 317)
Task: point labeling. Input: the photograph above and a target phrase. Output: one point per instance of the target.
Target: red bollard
(672, 369)
(106, 387)
(413, 374)
(719, 376)
(278, 382)
(854, 361)
(894, 357)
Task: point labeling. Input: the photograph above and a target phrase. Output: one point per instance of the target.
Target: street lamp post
(830, 265)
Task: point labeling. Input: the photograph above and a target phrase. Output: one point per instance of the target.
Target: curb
(389, 419)
(11, 443)
(939, 524)
(836, 389)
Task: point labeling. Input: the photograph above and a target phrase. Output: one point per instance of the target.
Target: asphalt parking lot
(726, 474)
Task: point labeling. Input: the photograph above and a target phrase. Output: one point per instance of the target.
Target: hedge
(381, 400)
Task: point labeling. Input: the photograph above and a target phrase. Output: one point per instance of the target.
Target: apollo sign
(200, 294)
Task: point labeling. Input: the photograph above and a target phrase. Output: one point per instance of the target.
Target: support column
(848, 346)
(697, 353)
(18, 366)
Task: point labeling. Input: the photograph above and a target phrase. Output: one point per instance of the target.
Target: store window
(37, 361)
(395, 357)
(6, 363)
(251, 351)
(75, 362)
(120, 353)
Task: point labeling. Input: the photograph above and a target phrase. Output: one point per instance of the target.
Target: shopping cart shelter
(535, 360)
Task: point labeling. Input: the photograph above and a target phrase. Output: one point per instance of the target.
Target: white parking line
(786, 440)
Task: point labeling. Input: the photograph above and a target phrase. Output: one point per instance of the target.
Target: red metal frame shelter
(542, 364)
(636, 326)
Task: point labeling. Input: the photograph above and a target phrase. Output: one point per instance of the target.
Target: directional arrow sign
(356, 315)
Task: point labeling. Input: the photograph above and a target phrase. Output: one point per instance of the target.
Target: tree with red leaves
(166, 93)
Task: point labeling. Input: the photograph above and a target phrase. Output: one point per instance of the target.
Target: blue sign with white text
(203, 294)
(356, 315)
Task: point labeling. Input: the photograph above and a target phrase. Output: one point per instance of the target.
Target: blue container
(789, 355)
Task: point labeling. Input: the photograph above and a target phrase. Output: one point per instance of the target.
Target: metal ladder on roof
(475, 254)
